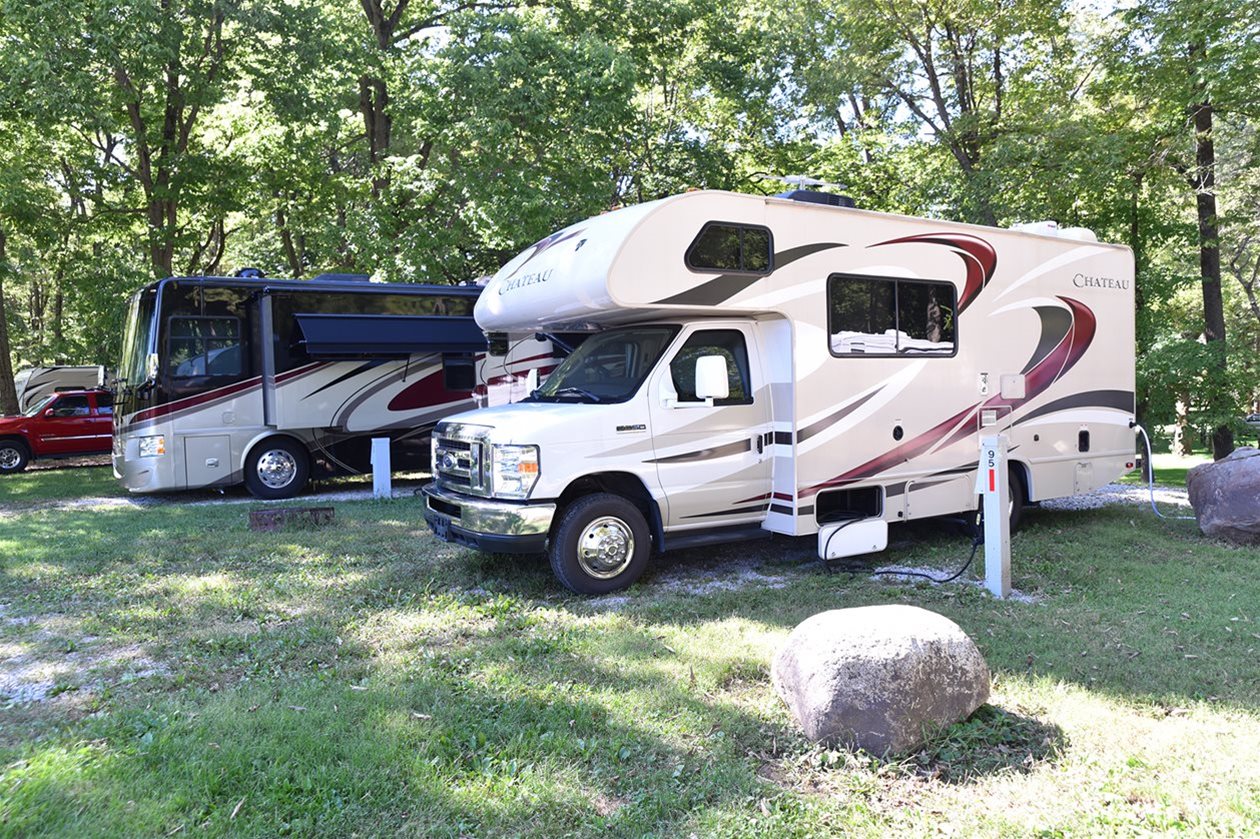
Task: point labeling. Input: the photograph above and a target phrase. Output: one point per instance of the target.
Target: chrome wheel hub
(9, 457)
(277, 468)
(605, 547)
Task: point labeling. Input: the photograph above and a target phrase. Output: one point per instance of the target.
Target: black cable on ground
(852, 568)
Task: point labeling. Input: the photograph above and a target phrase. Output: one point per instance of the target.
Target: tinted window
(289, 349)
(728, 343)
(732, 247)
(71, 406)
(105, 403)
(205, 347)
(886, 316)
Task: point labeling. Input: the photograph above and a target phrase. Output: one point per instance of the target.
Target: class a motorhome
(267, 382)
(36, 383)
(786, 365)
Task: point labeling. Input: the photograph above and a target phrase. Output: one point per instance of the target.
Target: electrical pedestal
(992, 484)
(381, 487)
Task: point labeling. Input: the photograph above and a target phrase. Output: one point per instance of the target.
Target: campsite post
(994, 486)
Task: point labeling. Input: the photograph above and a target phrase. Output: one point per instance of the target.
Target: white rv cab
(761, 365)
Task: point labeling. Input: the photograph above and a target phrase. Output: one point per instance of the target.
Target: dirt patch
(44, 656)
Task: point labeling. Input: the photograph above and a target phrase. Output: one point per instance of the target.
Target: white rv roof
(628, 264)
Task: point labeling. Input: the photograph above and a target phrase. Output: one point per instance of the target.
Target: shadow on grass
(504, 738)
(993, 741)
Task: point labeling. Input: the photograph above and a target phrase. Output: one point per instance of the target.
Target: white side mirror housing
(712, 378)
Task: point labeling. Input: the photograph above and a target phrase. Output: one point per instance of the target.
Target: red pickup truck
(71, 423)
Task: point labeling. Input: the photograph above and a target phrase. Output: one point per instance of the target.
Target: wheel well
(13, 438)
(624, 484)
(270, 437)
(1025, 478)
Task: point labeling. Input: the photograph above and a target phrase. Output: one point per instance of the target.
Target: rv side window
(459, 372)
(886, 316)
(732, 247)
(204, 347)
(728, 343)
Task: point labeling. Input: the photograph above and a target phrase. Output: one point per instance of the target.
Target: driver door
(712, 460)
(70, 429)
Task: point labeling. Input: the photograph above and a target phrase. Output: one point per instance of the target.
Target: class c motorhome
(230, 380)
(786, 365)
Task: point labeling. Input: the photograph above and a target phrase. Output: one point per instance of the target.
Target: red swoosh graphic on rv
(218, 394)
(979, 257)
(961, 425)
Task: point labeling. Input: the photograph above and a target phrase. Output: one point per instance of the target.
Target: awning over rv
(385, 336)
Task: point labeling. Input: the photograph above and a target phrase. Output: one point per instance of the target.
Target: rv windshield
(608, 367)
(133, 367)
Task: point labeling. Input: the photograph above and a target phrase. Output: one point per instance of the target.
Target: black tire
(601, 518)
(277, 467)
(1019, 497)
(1018, 501)
(14, 455)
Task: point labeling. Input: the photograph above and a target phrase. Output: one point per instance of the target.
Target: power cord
(1150, 466)
(851, 568)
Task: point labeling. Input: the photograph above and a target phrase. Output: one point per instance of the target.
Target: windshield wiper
(576, 391)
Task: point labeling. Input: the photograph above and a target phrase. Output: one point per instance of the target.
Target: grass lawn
(1170, 469)
(364, 679)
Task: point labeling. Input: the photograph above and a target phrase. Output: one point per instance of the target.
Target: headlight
(152, 446)
(514, 469)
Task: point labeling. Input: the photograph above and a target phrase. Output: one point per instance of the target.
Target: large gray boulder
(880, 678)
(1226, 496)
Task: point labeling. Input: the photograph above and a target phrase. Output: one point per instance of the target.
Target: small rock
(880, 678)
(1226, 497)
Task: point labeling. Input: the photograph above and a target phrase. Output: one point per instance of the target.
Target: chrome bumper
(484, 524)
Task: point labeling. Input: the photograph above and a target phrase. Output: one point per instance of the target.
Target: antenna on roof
(801, 181)
(802, 189)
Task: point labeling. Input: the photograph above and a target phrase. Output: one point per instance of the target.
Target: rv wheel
(276, 468)
(1015, 504)
(601, 544)
(13, 456)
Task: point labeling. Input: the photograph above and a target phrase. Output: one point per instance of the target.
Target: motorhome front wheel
(276, 468)
(602, 544)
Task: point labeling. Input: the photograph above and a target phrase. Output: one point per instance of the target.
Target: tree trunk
(1210, 271)
(8, 391)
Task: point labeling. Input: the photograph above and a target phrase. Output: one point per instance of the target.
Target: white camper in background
(35, 383)
(786, 365)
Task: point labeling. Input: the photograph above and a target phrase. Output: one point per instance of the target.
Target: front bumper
(488, 525)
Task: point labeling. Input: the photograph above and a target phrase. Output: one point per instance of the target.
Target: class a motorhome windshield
(133, 367)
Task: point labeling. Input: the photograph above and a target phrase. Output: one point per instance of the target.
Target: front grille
(459, 464)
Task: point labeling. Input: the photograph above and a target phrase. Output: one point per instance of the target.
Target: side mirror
(49, 413)
(712, 377)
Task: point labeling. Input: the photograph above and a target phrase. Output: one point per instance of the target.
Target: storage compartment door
(207, 460)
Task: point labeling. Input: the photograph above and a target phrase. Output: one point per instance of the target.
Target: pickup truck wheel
(276, 468)
(602, 544)
(13, 456)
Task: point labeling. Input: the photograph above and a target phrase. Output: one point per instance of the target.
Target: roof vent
(341, 278)
(250, 273)
(811, 196)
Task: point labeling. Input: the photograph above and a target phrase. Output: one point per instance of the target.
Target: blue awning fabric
(387, 336)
